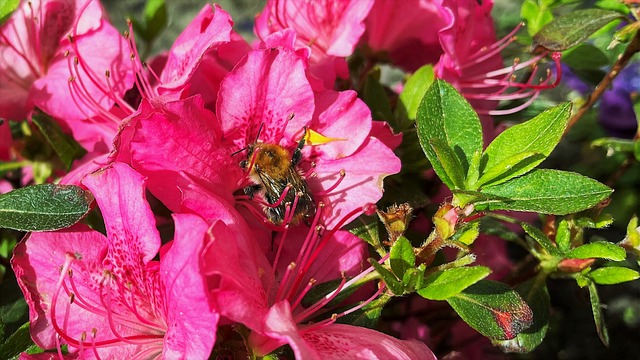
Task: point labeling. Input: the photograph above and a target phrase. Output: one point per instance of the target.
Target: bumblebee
(273, 169)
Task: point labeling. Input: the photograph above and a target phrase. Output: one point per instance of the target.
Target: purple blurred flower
(616, 114)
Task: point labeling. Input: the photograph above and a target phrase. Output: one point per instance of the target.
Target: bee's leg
(297, 153)
(251, 190)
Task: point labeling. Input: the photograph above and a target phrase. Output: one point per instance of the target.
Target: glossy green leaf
(613, 275)
(571, 29)
(415, 88)
(401, 257)
(388, 277)
(546, 191)
(445, 115)
(596, 309)
(64, 145)
(535, 293)
(598, 249)
(537, 235)
(449, 162)
(7, 7)
(367, 316)
(539, 135)
(493, 309)
(636, 150)
(509, 168)
(44, 207)
(444, 284)
(18, 342)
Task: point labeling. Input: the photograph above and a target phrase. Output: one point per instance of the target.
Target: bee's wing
(273, 187)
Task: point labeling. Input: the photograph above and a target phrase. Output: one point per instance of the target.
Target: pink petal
(281, 329)
(97, 52)
(37, 262)
(180, 136)
(343, 253)
(341, 115)
(409, 33)
(130, 224)
(383, 132)
(191, 321)
(363, 180)
(265, 89)
(211, 27)
(338, 341)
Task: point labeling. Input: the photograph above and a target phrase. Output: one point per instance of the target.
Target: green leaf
(596, 309)
(563, 236)
(388, 277)
(64, 145)
(18, 342)
(444, 284)
(366, 228)
(415, 88)
(598, 249)
(539, 135)
(367, 316)
(535, 293)
(449, 162)
(535, 15)
(614, 145)
(375, 96)
(493, 309)
(7, 7)
(155, 16)
(401, 257)
(636, 150)
(445, 115)
(44, 207)
(509, 168)
(537, 235)
(571, 29)
(585, 57)
(613, 275)
(546, 191)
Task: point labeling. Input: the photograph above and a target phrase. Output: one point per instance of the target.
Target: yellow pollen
(315, 138)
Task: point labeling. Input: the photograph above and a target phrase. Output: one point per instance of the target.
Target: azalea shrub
(341, 179)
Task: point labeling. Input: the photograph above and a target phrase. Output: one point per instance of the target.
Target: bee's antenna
(259, 132)
(239, 151)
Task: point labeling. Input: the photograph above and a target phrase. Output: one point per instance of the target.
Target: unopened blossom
(330, 28)
(105, 297)
(266, 99)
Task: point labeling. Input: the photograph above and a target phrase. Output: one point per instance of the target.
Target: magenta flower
(192, 64)
(266, 295)
(45, 44)
(105, 297)
(266, 99)
(407, 35)
(330, 28)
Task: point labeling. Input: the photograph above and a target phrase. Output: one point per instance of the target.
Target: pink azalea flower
(105, 297)
(265, 295)
(407, 34)
(330, 28)
(44, 44)
(266, 99)
(194, 63)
